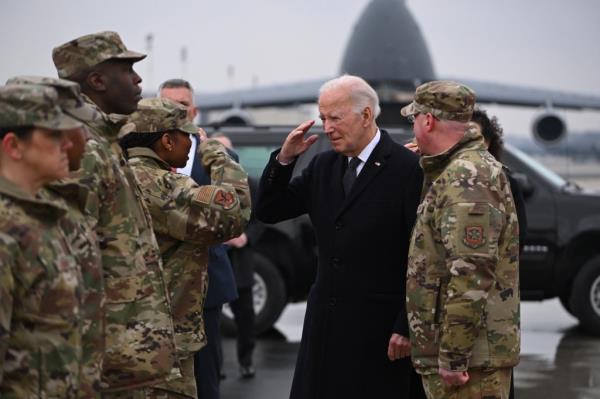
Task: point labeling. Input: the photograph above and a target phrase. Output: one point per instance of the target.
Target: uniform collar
(471, 140)
(35, 205)
(108, 124)
(145, 152)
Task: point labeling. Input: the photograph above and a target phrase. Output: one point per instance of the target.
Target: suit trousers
(243, 312)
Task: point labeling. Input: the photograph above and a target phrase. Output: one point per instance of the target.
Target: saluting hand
(295, 143)
(202, 134)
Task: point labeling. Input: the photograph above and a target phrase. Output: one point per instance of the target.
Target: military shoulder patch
(474, 237)
(225, 199)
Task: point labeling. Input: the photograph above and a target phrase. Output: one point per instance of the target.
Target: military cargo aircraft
(387, 48)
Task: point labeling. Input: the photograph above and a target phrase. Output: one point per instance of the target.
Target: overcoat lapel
(374, 165)
(339, 167)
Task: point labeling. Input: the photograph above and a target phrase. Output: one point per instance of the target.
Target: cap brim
(188, 127)
(408, 110)
(131, 55)
(63, 122)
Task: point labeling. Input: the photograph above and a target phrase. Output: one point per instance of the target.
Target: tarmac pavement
(557, 360)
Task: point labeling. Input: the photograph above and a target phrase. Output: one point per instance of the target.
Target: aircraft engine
(549, 128)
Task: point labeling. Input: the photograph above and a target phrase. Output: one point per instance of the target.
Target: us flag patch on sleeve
(204, 195)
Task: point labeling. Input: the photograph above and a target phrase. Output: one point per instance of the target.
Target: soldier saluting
(187, 217)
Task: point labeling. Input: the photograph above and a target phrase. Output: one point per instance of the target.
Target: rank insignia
(474, 236)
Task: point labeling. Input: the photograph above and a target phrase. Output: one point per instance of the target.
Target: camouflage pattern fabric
(33, 105)
(140, 344)
(463, 276)
(69, 95)
(158, 115)
(85, 248)
(443, 99)
(40, 299)
(80, 54)
(486, 383)
(187, 219)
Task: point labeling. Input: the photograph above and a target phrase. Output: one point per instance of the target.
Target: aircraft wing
(274, 95)
(307, 91)
(508, 94)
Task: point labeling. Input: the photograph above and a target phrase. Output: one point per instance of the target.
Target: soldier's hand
(398, 347)
(453, 378)
(239, 241)
(295, 143)
(413, 146)
(202, 134)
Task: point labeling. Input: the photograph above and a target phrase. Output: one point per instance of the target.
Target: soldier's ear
(167, 142)
(96, 80)
(11, 146)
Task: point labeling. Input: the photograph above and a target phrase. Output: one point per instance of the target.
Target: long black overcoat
(358, 298)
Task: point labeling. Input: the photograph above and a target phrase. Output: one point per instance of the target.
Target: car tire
(269, 294)
(585, 297)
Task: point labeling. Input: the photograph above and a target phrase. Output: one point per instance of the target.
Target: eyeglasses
(411, 118)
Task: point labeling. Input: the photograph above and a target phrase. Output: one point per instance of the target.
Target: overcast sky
(545, 43)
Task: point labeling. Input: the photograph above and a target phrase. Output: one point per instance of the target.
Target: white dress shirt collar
(366, 152)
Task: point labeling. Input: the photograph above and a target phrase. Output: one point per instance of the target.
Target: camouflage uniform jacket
(463, 280)
(187, 219)
(86, 251)
(40, 297)
(140, 343)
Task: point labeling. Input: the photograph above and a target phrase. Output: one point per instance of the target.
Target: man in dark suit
(362, 199)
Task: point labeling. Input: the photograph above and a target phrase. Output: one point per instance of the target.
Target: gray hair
(361, 93)
(175, 84)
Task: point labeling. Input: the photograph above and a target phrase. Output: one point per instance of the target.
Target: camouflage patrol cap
(89, 50)
(33, 105)
(444, 99)
(156, 115)
(69, 95)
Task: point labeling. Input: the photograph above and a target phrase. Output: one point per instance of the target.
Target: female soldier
(40, 283)
(187, 218)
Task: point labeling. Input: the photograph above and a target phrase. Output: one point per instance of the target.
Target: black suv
(561, 254)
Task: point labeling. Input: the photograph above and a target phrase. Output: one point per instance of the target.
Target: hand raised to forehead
(295, 143)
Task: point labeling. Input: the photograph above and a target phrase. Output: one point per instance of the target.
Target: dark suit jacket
(358, 298)
(221, 281)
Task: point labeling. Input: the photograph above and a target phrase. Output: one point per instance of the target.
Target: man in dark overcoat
(362, 198)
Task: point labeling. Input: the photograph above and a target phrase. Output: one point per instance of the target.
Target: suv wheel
(269, 296)
(585, 297)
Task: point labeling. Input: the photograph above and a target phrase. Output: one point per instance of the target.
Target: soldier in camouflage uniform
(462, 284)
(80, 233)
(40, 280)
(140, 344)
(187, 217)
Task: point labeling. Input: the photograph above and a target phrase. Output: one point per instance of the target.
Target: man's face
(123, 89)
(420, 136)
(183, 96)
(346, 129)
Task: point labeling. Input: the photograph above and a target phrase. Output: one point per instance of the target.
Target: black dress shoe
(247, 372)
